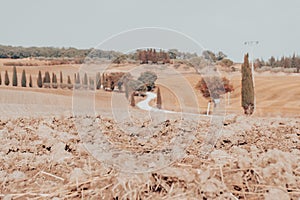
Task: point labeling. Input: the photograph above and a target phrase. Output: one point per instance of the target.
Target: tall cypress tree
(47, 80)
(132, 101)
(98, 81)
(0, 79)
(158, 99)
(6, 78)
(23, 80)
(85, 81)
(39, 80)
(15, 77)
(61, 77)
(54, 81)
(30, 81)
(247, 87)
(70, 86)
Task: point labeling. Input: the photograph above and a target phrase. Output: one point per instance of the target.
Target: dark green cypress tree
(158, 99)
(98, 81)
(132, 101)
(61, 77)
(6, 78)
(0, 79)
(23, 79)
(85, 81)
(54, 81)
(247, 87)
(39, 80)
(15, 77)
(30, 81)
(70, 86)
(92, 84)
(47, 80)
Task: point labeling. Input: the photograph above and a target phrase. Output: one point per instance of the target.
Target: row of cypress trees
(15, 78)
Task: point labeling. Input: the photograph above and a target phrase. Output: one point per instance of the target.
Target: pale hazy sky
(218, 25)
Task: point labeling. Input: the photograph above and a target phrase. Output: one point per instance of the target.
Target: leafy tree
(214, 86)
(98, 81)
(23, 80)
(6, 78)
(158, 99)
(272, 61)
(148, 78)
(15, 77)
(39, 80)
(247, 87)
(30, 81)
(293, 61)
(209, 55)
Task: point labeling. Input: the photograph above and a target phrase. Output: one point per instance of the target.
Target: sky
(217, 25)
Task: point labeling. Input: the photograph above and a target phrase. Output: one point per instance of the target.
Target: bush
(276, 69)
(263, 69)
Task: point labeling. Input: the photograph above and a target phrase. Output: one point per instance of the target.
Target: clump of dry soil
(255, 158)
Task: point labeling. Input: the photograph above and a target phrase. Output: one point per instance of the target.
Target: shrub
(276, 69)
(23, 79)
(15, 77)
(6, 78)
(289, 70)
(247, 87)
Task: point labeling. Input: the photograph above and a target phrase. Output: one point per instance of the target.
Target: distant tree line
(52, 52)
(284, 62)
(106, 81)
(150, 55)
